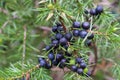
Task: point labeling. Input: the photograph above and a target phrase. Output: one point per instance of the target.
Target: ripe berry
(48, 66)
(91, 36)
(78, 60)
(60, 28)
(83, 65)
(59, 56)
(66, 46)
(83, 33)
(55, 62)
(76, 33)
(55, 42)
(43, 63)
(52, 38)
(47, 48)
(93, 12)
(86, 12)
(86, 25)
(58, 36)
(74, 68)
(99, 9)
(88, 42)
(76, 24)
(54, 29)
(40, 58)
(51, 56)
(80, 71)
(62, 63)
(68, 54)
(68, 36)
(89, 73)
(63, 41)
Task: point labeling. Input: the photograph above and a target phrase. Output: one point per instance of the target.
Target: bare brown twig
(63, 24)
(95, 56)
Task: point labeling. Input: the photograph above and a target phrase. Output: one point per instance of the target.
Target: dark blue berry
(86, 25)
(62, 63)
(47, 48)
(60, 28)
(54, 29)
(76, 33)
(55, 43)
(93, 12)
(86, 12)
(59, 56)
(55, 62)
(68, 54)
(76, 24)
(78, 60)
(52, 38)
(66, 46)
(51, 56)
(74, 68)
(40, 58)
(43, 63)
(83, 65)
(89, 73)
(99, 9)
(58, 36)
(91, 36)
(88, 42)
(80, 71)
(63, 41)
(68, 36)
(48, 66)
(83, 33)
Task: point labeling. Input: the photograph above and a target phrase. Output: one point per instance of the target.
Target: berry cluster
(97, 11)
(58, 49)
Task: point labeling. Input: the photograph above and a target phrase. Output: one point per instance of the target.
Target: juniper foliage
(21, 36)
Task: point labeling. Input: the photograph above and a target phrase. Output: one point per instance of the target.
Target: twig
(96, 57)
(24, 46)
(60, 18)
(25, 74)
(99, 33)
(3, 26)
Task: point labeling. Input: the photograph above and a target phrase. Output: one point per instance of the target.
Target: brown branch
(27, 73)
(55, 1)
(60, 18)
(95, 56)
